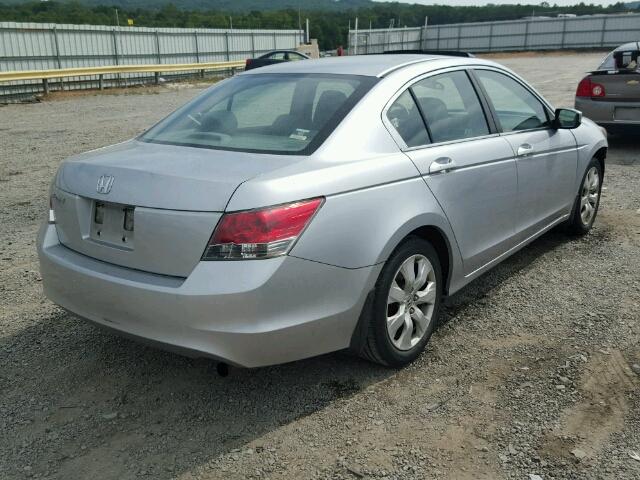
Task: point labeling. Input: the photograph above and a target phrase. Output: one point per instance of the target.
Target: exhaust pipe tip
(222, 369)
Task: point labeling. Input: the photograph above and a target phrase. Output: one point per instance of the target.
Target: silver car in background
(316, 206)
(610, 95)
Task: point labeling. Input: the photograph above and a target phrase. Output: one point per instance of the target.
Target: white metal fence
(527, 34)
(37, 46)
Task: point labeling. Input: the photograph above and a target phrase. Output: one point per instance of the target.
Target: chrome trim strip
(451, 142)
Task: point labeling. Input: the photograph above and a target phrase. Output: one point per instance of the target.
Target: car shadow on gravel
(85, 403)
(78, 402)
(475, 292)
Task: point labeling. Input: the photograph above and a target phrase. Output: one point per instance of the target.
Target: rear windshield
(266, 113)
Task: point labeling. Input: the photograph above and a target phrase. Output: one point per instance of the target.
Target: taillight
(247, 63)
(263, 233)
(587, 88)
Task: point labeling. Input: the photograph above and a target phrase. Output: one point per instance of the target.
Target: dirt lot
(535, 370)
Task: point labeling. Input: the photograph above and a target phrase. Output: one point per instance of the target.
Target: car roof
(368, 65)
(284, 50)
(628, 46)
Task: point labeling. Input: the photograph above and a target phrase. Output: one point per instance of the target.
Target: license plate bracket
(113, 224)
(627, 114)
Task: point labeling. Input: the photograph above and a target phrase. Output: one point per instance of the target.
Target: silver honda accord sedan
(316, 206)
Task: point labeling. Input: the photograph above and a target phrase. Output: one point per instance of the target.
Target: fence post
(526, 34)
(158, 55)
(195, 39)
(253, 44)
(491, 37)
(564, 30)
(355, 41)
(604, 29)
(58, 61)
(275, 40)
(115, 53)
(459, 33)
(57, 45)
(438, 38)
(226, 44)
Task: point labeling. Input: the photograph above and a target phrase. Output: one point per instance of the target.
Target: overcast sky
(534, 2)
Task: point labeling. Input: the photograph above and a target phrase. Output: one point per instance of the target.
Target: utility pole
(117, 18)
(306, 34)
(423, 33)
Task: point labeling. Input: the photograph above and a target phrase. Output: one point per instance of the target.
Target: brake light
(587, 88)
(247, 63)
(263, 233)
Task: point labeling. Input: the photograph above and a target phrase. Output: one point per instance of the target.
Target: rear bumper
(248, 313)
(604, 113)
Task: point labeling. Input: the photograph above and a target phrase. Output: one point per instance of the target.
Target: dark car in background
(610, 95)
(276, 56)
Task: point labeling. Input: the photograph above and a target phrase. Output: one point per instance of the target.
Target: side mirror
(567, 118)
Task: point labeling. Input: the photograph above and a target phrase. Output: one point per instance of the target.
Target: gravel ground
(533, 374)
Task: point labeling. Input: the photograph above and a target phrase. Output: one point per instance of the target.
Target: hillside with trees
(223, 5)
(328, 25)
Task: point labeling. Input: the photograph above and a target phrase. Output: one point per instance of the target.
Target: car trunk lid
(619, 86)
(147, 206)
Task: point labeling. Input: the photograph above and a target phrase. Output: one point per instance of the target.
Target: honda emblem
(105, 182)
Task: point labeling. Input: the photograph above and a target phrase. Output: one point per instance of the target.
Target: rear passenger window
(405, 118)
(451, 107)
(516, 107)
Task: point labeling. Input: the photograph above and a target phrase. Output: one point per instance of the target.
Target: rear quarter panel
(589, 140)
(361, 228)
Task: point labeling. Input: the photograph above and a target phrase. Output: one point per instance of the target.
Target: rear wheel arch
(426, 229)
(442, 246)
(601, 155)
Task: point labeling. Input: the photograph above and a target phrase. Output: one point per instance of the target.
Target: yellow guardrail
(115, 69)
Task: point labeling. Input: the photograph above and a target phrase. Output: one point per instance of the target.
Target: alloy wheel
(589, 195)
(411, 302)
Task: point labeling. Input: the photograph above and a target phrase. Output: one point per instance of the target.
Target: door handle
(441, 165)
(524, 150)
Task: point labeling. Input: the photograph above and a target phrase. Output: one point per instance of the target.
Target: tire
(415, 312)
(587, 202)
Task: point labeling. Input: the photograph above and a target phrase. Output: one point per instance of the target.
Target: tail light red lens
(589, 89)
(263, 233)
(248, 62)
